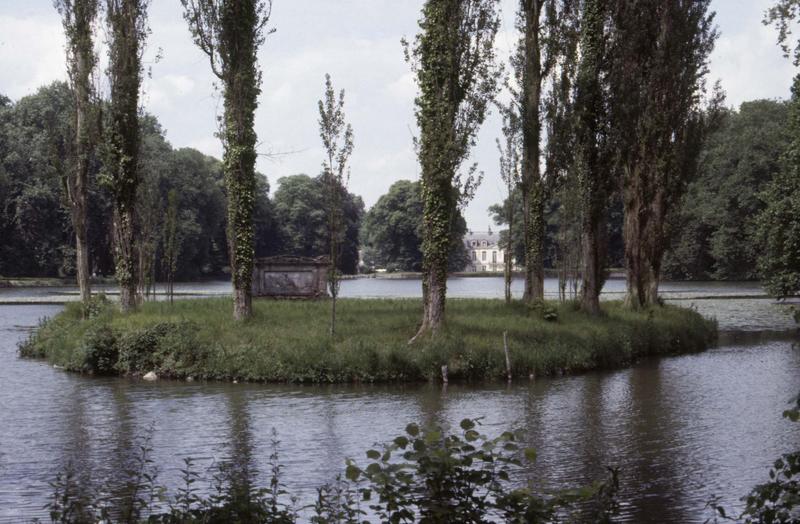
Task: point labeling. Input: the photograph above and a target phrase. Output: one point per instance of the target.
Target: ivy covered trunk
(125, 256)
(534, 242)
(239, 166)
(239, 44)
(532, 184)
(595, 240)
(127, 24)
(437, 214)
(593, 174)
(453, 58)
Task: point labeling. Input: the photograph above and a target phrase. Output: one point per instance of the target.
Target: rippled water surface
(681, 429)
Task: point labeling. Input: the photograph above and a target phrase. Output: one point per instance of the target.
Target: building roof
(492, 238)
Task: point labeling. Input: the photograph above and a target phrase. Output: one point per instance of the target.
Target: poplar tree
(592, 166)
(230, 32)
(546, 30)
(127, 27)
(337, 138)
(509, 151)
(659, 59)
(78, 18)
(454, 61)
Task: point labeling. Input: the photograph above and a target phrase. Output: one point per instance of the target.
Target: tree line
(607, 119)
(37, 232)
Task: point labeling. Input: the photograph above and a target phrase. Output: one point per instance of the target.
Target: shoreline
(288, 341)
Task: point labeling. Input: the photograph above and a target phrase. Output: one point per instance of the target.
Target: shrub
(100, 351)
(168, 348)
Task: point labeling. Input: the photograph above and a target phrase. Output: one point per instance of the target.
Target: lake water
(680, 429)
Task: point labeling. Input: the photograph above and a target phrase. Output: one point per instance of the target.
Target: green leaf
(530, 454)
(373, 454)
(352, 472)
(412, 429)
(401, 442)
(467, 424)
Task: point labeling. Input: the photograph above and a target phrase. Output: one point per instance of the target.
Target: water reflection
(680, 429)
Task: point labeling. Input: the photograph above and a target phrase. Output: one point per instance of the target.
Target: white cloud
(31, 54)
(750, 65)
(358, 43)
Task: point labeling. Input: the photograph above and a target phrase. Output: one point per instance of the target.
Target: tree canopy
(300, 204)
(392, 232)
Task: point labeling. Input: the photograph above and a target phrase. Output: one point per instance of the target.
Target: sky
(358, 43)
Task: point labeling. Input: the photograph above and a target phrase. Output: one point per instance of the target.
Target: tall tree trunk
(634, 224)
(240, 178)
(434, 304)
(127, 25)
(437, 215)
(655, 244)
(509, 255)
(593, 171)
(125, 256)
(79, 192)
(242, 87)
(78, 18)
(594, 257)
(532, 186)
(534, 234)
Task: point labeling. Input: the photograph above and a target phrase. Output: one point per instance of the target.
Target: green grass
(288, 341)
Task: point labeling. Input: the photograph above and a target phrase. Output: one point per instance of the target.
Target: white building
(485, 252)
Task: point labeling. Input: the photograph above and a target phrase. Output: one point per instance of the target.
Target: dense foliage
(302, 227)
(392, 232)
(716, 227)
(430, 474)
(778, 224)
(35, 226)
(658, 62)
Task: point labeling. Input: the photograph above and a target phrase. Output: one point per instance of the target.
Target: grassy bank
(287, 341)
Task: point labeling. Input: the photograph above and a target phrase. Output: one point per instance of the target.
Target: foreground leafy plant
(429, 476)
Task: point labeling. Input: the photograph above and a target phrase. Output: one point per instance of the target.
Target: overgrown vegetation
(429, 475)
(196, 338)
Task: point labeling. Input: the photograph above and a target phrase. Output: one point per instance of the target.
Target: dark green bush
(100, 350)
(168, 348)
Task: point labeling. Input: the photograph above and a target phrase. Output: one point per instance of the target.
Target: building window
(474, 256)
(483, 268)
(484, 244)
(474, 243)
(483, 256)
(494, 257)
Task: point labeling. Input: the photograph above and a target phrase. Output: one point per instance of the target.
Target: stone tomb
(290, 277)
